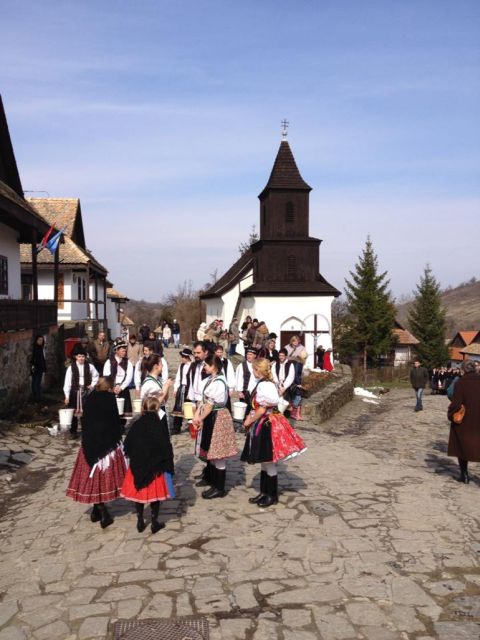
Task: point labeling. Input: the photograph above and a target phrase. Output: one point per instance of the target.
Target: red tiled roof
(404, 337)
(468, 336)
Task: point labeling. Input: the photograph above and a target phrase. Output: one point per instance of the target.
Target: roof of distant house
(116, 295)
(404, 337)
(471, 350)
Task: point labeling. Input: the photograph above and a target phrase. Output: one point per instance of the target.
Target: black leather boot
(139, 507)
(271, 496)
(218, 490)
(263, 488)
(207, 476)
(156, 525)
(95, 515)
(106, 519)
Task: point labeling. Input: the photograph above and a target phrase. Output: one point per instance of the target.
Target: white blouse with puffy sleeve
(215, 391)
(267, 394)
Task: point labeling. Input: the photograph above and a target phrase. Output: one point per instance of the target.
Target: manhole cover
(150, 629)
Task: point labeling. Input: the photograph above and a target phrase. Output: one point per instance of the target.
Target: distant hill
(462, 305)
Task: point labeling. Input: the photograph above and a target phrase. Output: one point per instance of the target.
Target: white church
(278, 279)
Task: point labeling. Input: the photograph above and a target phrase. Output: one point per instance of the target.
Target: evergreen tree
(252, 238)
(427, 322)
(371, 310)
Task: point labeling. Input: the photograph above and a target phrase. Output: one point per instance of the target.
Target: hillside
(462, 305)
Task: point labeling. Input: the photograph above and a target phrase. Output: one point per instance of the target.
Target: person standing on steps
(418, 379)
(149, 450)
(464, 440)
(100, 466)
(270, 437)
(215, 441)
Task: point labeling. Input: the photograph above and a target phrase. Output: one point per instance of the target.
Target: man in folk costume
(180, 389)
(245, 379)
(228, 372)
(196, 374)
(80, 378)
(283, 374)
(120, 371)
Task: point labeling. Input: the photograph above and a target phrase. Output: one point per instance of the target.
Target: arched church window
(290, 213)
(291, 266)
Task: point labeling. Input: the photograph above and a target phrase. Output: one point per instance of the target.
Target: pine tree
(427, 322)
(252, 238)
(371, 310)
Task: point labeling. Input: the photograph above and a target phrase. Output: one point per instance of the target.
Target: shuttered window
(290, 213)
(291, 266)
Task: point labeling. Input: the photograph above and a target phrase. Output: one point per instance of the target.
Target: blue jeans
(176, 339)
(419, 394)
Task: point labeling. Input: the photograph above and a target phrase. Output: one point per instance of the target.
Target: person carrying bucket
(80, 378)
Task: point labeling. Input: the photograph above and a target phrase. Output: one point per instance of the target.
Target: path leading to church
(372, 539)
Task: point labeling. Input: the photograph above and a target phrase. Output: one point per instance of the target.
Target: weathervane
(284, 124)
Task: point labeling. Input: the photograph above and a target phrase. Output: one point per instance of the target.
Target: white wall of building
(10, 249)
(112, 318)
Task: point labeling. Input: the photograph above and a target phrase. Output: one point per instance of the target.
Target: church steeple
(284, 202)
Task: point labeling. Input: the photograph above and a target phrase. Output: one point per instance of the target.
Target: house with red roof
(459, 342)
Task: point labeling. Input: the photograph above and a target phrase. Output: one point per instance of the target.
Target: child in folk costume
(152, 383)
(120, 370)
(100, 465)
(270, 437)
(141, 370)
(148, 448)
(215, 440)
(80, 378)
(180, 389)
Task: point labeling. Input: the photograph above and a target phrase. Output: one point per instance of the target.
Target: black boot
(263, 488)
(464, 477)
(218, 489)
(207, 476)
(105, 518)
(272, 493)
(156, 525)
(95, 515)
(139, 506)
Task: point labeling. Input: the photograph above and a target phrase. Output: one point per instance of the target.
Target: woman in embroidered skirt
(270, 437)
(100, 466)
(215, 440)
(149, 477)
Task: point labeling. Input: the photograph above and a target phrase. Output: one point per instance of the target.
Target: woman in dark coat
(100, 465)
(149, 477)
(464, 441)
(38, 367)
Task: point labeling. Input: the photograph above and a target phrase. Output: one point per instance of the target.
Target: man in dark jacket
(418, 380)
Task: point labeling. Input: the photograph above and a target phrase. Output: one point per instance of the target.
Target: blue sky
(164, 118)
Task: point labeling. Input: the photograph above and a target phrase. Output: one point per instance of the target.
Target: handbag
(458, 416)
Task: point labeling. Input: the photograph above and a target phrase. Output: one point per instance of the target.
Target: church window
(290, 213)
(291, 266)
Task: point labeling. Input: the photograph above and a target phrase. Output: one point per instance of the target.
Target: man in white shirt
(245, 382)
(80, 378)
(180, 389)
(283, 372)
(120, 371)
(196, 373)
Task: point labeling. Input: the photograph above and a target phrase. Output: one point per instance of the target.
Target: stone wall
(323, 405)
(15, 354)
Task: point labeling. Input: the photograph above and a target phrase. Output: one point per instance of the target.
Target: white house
(278, 279)
(118, 322)
(82, 289)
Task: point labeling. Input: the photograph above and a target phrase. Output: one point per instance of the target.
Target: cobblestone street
(373, 538)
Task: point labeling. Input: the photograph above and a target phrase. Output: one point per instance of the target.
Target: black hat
(78, 350)
(272, 336)
(186, 353)
(119, 344)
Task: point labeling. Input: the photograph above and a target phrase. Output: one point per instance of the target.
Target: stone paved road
(372, 539)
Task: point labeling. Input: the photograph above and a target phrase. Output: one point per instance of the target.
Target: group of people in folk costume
(141, 468)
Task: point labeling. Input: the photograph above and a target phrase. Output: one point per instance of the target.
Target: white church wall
(294, 313)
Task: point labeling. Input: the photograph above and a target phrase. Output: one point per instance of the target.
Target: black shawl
(38, 358)
(101, 426)
(149, 449)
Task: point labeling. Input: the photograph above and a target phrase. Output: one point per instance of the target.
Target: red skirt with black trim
(161, 488)
(103, 486)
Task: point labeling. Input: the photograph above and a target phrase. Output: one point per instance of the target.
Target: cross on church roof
(284, 124)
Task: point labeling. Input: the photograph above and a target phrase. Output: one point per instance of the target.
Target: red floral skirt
(285, 440)
(104, 484)
(161, 488)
